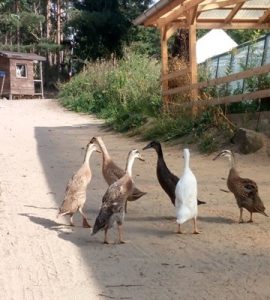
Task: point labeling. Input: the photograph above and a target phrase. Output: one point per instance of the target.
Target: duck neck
(232, 161)
(129, 165)
(87, 156)
(159, 152)
(186, 164)
(105, 153)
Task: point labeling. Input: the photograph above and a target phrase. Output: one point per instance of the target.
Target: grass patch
(127, 95)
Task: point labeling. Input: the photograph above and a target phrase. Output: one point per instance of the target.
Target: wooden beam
(234, 11)
(171, 30)
(229, 99)
(222, 80)
(186, 6)
(217, 4)
(232, 25)
(163, 11)
(192, 15)
(176, 74)
(264, 17)
(193, 64)
(164, 64)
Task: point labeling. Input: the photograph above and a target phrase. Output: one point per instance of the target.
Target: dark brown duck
(245, 190)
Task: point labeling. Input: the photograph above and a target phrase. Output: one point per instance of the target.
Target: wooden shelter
(171, 15)
(21, 74)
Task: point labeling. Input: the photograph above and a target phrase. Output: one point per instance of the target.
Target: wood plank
(193, 64)
(228, 99)
(265, 16)
(176, 74)
(233, 77)
(175, 14)
(164, 62)
(217, 4)
(234, 12)
(233, 25)
(171, 30)
(152, 20)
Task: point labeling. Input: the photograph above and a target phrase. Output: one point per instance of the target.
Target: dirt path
(43, 259)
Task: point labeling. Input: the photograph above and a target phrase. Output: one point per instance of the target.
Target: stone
(248, 141)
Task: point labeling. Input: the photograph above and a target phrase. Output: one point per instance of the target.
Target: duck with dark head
(166, 178)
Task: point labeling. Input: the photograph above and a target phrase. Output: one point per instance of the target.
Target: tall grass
(127, 95)
(124, 94)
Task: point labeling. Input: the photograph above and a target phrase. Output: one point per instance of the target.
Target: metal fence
(246, 56)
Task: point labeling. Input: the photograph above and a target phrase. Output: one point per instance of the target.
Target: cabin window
(21, 71)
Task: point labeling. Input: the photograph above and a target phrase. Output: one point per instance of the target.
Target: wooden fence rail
(222, 80)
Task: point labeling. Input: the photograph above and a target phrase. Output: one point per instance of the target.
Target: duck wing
(112, 172)
(166, 179)
(247, 191)
(136, 194)
(112, 202)
(247, 187)
(74, 189)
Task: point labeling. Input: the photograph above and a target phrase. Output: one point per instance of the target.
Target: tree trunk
(58, 31)
(48, 26)
(17, 9)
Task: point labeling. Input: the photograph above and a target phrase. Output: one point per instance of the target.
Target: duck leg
(241, 215)
(85, 223)
(106, 235)
(195, 228)
(120, 233)
(71, 220)
(250, 220)
(179, 229)
(126, 206)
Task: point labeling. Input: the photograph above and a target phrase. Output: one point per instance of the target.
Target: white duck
(186, 196)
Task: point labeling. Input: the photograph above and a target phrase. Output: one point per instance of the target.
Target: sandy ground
(41, 258)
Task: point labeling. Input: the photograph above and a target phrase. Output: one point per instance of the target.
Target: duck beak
(141, 158)
(93, 139)
(217, 156)
(147, 146)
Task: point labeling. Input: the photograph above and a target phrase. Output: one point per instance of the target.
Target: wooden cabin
(20, 74)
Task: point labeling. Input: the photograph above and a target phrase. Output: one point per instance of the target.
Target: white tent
(215, 42)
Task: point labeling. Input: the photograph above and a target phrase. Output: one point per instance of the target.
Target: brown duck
(245, 190)
(75, 194)
(111, 172)
(113, 202)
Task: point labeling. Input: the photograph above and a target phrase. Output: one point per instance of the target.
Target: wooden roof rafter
(217, 4)
(265, 16)
(242, 14)
(184, 7)
(233, 12)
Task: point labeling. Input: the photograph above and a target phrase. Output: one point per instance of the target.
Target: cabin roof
(20, 55)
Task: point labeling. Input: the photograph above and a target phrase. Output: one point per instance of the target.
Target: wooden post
(41, 80)
(193, 64)
(164, 61)
(3, 82)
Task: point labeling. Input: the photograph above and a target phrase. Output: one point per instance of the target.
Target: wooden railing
(214, 82)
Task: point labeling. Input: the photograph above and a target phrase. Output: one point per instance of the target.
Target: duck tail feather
(200, 202)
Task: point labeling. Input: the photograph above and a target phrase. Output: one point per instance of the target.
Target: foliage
(102, 28)
(124, 94)
(245, 35)
(209, 130)
(127, 96)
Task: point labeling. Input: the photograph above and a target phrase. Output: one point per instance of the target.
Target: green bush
(127, 95)
(124, 94)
